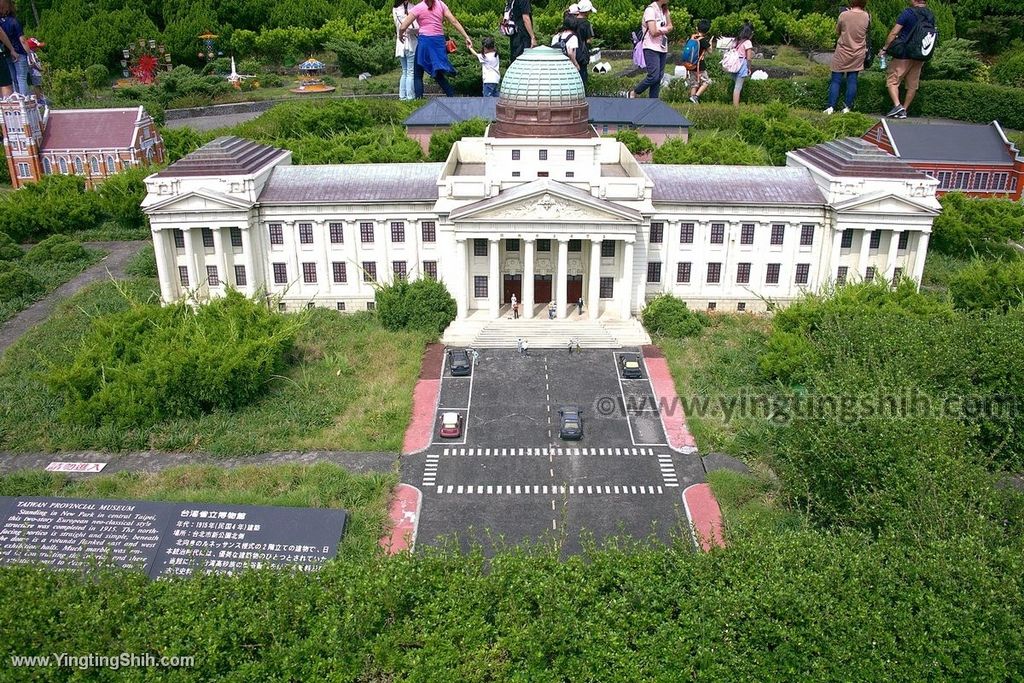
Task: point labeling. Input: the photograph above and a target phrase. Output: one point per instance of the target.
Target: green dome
(542, 75)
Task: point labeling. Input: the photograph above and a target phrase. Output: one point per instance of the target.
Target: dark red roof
(854, 157)
(90, 129)
(228, 155)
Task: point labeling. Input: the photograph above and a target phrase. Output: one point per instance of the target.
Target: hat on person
(573, 9)
(586, 7)
(34, 43)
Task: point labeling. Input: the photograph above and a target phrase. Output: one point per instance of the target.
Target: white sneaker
(846, 110)
(829, 111)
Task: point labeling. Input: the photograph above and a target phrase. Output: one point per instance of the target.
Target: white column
(218, 256)
(593, 302)
(561, 291)
(165, 267)
(862, 264)
(227, 257)
(626, 284)
(493, 280)
(322, 245)
(833, 258)
(460, 279)
(191, 262)
(527, 302)
(921, 252)
(249, 259)
(890, 259)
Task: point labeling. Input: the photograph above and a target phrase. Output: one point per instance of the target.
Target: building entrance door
(513, 285)
(574, 288)
(541, 289)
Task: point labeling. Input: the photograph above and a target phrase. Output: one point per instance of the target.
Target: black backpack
(561, 42)
(920, 42)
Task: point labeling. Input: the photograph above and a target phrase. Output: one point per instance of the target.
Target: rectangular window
(479, 247)
(806, 235)
(371, 305)
(542, 155)
(657, 232)
(543, 245)
(310, 306)
(369, 271)
(717, 233)
(963, 179)
(741, 306)
(430, 269)
(516, 174)
(606, 287)
(570, 155)
(870, 274)
(686, 233)
(276, 233)
(212, 278)
(876, 239)
(341, 305)
(999, 181)
(429, 230)
(179, 238)
(236, 237)
(23, 171)
(183, 275)
(608, 249)
(576, 245)
(397, 232)
(712, 305)
(337, 231)
(281, 306)
(309, 273)
(747, 233)
(542, 174)
(654, 271)
(339, 270)
(904, 240)
(280, 274)
(480, 286)
(897, 275)
(683, 271)
(772, 274)
(743, 273)
(841, 275)
(714, 273)
(980, 181)
(778, 233)
(240, 280)
(803, 272)
(399, 269)
(515, 155)
(847, 238)
(305, 233)
(366, 233)
(570, 174)
(511, 245)
(207, 238)
(945, 179)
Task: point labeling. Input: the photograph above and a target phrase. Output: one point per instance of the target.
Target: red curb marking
(404, 512)
(705, 517)
(672, 417)
(420, 431)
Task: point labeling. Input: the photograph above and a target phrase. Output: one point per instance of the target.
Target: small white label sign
(75, 466)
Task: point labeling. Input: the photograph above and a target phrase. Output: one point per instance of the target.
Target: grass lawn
(324, 485)
(350, 388)
(52, 275)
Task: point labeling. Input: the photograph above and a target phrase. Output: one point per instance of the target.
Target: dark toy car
(630, 363)
(458, 361)
(570, 423)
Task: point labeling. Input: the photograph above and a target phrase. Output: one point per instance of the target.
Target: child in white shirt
(490, 66)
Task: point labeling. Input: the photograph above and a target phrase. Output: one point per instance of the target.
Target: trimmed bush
(422, 304)
(441, 142)
(988, 286)
(710, 149)
(668, 315)
(15, 282)
(955, 59)
(1009, 70)
(9, 249)
(967, 227)
(57, 248)
(634, 142)
(97, 76)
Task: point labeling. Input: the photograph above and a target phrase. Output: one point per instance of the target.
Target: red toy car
(451, 425)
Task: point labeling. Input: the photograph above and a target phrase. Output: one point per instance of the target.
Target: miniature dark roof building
(858, 158)
(224, 156)
(636, 112)
(81, 129)
(347, 183)
(950, 142)
(788, 185)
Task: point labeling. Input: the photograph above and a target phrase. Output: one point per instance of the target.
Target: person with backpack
(567, 41)
(585, 33)
(657, 26)
(736, 60)
(851, 55)
(910, 44)
(692, 59)
(431, 49)
(517, 24)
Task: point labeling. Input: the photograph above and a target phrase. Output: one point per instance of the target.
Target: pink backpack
(732, 60)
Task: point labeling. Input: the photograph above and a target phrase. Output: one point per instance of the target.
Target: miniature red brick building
(94, 143)
(976, 159)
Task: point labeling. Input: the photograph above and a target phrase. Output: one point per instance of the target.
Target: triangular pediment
(546, 201)
(889, 203)
(197, 200)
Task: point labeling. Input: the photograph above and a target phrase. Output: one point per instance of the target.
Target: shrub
(422, 304)
(967, 227)
(56, 204)
(1009, 70)
(634, 142)
(955, 59)
(668, 315)
(730, 24)
(57, 248)
(709, 149)
(121, 197)
(249, 66)
(9, 249)
(179, 142)
(15, 281)
(988, 285)
(778, 131)
(97, 76)
(153, 362)
(354, 59)
(143, 264)
(65, 87)
(812, 31)
(441, 142)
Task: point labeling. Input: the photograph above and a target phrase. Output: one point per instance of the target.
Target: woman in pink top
(431, 55)
(657, 26)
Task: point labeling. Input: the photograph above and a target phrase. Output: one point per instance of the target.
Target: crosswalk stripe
(450, 489)
(590, 490)
(659, 489)
(440, 488)
(460, 490)
(544, 489)
(490, 489)
(671, 485)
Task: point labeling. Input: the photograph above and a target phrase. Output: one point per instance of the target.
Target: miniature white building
(543, 208)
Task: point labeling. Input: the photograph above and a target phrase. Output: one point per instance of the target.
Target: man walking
(521, 15)
(519, 345)
(909, 45)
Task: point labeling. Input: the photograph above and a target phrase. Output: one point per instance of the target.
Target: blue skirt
(432, 56)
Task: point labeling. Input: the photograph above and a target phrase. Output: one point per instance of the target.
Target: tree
(778, 131)
(955, 59)
(441, 142)
(968, 227)
(669, 316)
(422, 304)
(988, 285)
(709, 149)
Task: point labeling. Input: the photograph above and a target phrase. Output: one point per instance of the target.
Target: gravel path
(114, 263)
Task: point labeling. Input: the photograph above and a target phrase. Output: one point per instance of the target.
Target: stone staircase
(542, 333)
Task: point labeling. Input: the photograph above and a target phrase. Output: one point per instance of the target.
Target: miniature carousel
(311, 81)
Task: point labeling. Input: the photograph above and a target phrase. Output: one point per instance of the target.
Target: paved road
(205, 123)
(112, 265)
(511, 477)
